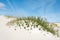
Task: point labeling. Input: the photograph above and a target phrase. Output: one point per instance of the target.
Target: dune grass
(36, 21)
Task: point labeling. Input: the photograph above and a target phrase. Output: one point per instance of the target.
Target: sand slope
(7, 33)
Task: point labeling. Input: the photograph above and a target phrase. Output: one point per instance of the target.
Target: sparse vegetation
(10, 16)
(36, 21)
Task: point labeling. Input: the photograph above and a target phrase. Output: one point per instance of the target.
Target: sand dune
(7, 33)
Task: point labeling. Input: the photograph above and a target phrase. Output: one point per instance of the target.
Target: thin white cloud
(2, 6)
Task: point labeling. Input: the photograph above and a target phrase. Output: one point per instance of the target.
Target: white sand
(7, 33)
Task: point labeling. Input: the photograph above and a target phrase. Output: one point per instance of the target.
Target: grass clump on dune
(36, 21)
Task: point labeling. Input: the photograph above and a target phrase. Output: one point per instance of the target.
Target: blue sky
(45, 8)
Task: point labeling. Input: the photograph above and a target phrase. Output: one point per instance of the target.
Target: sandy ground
(7, 33)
